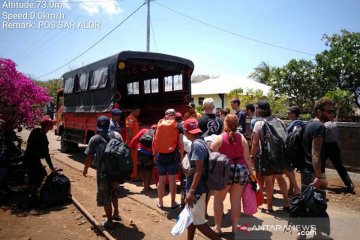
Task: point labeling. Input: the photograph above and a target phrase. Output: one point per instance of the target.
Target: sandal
(216, 232)
(159, 206)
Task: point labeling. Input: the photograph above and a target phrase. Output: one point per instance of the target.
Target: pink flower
(21, 100)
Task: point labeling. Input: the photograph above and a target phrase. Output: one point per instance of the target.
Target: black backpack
(147, 138)
(273, 158)
(294, 146)
(117, 161)
(56, 190)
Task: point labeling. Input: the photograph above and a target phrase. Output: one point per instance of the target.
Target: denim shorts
(168, 163)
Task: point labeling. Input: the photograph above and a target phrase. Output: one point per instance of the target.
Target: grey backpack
(117, 160)
(219, 171)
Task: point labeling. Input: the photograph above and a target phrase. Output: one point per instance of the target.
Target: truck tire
(67, 146)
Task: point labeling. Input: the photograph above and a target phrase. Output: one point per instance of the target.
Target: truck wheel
(66, 146)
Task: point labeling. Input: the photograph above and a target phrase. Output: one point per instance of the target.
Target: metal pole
(148, 27)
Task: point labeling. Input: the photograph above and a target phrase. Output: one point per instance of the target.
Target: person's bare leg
(142, 175)
(191, 232)
(219, 197)
(172, 188)
(115, 203)
(235, 196)
(293, 186)
(283, 188)
(147, 179)
(269, 185)
(161, 189)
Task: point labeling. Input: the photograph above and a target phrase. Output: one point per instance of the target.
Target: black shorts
(144, 161)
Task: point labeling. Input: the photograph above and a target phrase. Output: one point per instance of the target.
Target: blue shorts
(168, 163)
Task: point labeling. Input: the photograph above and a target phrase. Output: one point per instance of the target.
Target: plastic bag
(249, 200)
(297, 207)
(313, 200)
(186, 166)
(185, 218)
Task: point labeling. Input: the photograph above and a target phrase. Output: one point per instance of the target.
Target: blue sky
(297, 25)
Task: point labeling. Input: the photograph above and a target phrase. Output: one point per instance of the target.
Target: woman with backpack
(145, 163)
(234, 145)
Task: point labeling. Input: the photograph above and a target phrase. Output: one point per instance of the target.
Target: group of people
(177, 135)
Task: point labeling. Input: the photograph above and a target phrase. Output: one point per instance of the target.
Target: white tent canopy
(224, 84)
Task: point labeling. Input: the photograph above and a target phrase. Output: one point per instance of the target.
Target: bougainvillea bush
(21, 100)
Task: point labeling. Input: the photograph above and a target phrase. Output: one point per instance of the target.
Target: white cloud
(66, 4)
(92, 7)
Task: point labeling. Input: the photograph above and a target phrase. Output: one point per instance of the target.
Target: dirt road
(141, 219)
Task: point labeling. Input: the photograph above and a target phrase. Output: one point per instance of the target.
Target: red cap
(46, 121)
(191, 125)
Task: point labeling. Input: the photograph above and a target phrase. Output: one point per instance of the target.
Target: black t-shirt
(242, 120)
(313, 129)
(37, 148)
(210, 124)
(180, 128)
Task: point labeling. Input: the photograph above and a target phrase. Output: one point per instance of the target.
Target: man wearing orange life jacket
(132, 128)
(191, 113)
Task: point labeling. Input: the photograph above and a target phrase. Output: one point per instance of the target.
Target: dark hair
(321, 103)
(236, 100)
(264, 109)
(225, 111)
(251, 107)
(294, 109)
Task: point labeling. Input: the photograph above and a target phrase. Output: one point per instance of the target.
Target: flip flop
(267, 211)
(159, 206)
(216, 232)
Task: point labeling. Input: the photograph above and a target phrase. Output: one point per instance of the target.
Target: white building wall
(216, 97)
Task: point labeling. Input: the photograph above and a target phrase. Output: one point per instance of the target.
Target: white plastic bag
(186, 166)
(185, 218)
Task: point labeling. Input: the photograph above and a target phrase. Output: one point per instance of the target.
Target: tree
(52, 86)
(21, 100)
(341, 63)
(341, 99)
(235, 93)
(262, 73)
(300, 82)
(251, 97)
(279, 104)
